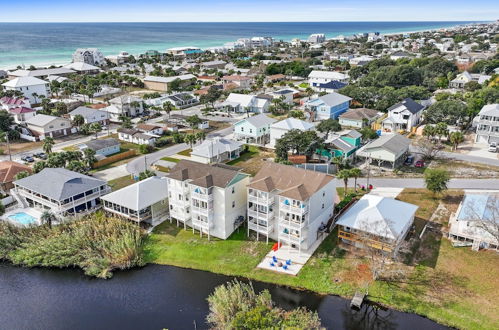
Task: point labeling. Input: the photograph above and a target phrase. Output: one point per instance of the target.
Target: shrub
(235, 305)
(96, 243)
(145, 148)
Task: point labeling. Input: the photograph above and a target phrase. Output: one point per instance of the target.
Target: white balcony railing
(260, 228)
(302, 209)
(202, 197)
(292, 224)
(203, 224)
(261, 215)
(260, 200)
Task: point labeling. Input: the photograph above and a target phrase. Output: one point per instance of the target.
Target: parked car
(409, 160)
(40, 155)
(419, 163)
(27, 159)
(492, 147)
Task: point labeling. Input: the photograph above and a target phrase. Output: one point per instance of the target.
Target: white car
(492, 147)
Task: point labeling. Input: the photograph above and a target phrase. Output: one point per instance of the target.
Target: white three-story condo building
(207, 198)
(290, 204)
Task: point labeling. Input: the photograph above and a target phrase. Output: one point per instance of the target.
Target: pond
(156, 297)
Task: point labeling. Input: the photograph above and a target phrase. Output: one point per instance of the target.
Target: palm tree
(345, 175)
(95, 128)
(47, 218)
(35, 96)
(4, 137)
(355, 173)
(456, 138)
(48, 143)
(168, 107)
(190, 138)
(78, 120)
(89, 155)
(200, 136)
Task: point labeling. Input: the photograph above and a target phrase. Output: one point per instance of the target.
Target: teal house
(343, 145)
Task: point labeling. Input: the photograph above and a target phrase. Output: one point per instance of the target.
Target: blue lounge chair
(272, 264)
(288, 262)
(285, 267)
(274, 258)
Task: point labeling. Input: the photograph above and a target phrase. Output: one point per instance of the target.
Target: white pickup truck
(492, 147)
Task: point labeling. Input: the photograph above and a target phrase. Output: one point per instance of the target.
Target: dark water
(53, 43)
(155, 297)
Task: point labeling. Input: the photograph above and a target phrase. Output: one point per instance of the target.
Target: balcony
(201, 210)
(180, 215)
(261, 215)
(300, 210)
(292, 239)
(263, 229)
(292, 224)
(260, 200)
(203, 224)
(201, 196)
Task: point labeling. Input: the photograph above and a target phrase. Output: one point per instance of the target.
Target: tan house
(162, 84)
(237, 82)
(42, 126)
(8, 171)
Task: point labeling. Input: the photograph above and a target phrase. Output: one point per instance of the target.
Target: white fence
(28, 137)
(323, 168)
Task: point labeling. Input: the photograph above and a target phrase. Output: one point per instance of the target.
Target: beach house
(145, 201)
(32, 88)
(376, 222)
(289, 204)
(255, 129)
(278, 129)
(208, 198)
(216, 150)
(388, 149)
(42, 126)
(403, 116)
(487, 124)
(358, 117)
(328, 106)
(61, 191)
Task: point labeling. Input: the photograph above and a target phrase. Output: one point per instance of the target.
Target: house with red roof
(8, 171)
(21, 114)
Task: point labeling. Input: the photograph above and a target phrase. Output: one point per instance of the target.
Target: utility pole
(8, 145)
(368, 170)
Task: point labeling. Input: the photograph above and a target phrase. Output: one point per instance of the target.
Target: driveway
(478, 157)
(111, 173)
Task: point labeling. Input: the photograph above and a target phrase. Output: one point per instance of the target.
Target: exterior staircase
(18, 198)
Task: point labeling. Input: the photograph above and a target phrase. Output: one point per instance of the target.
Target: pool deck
(30, 211)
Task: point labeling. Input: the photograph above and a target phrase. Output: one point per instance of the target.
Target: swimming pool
(23, 218)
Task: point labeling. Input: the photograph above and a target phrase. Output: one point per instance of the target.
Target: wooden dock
(357, 300)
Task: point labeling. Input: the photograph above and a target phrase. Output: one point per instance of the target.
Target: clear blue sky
(246, 10)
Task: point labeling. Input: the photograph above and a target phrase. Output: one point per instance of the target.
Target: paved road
(486, 184)
(463, 157)
(138, 165)
(67, 142)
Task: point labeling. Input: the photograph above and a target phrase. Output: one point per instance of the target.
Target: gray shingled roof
(260, 120)
(392, 142)
(412, 106)
(59, 183)
(334, 99)
(100, 144)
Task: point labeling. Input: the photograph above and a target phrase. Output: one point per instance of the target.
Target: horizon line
(315, 21)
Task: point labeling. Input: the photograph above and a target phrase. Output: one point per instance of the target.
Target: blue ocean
(53, 43)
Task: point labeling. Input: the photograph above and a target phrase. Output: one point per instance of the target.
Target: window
(233, 204)
(242, 129)
(251, 130)
(322, 205)
(323, 193)
(233, 189)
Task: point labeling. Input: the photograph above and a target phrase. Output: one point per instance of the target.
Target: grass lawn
(186, 152)
(251, 160)
(454, 286)
(122, 182)
(170, 159)
(162, 168)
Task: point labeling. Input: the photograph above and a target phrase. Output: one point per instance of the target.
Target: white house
(90, 115)
(289, 204)
(403, 116)
(278, 129)
(244, 103)
(487, 121)
(21, 114)
(476, 221)
(255, 129)
(216, 150)
(32, 88)
(136, 136)
(317, 78)
(91, 56)
(150, 129)
(376, 221)
(286, 93)
(143, 202)
(125, 105)
(207, 198)
(463, 78)
(316, 38)
(358, 117)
